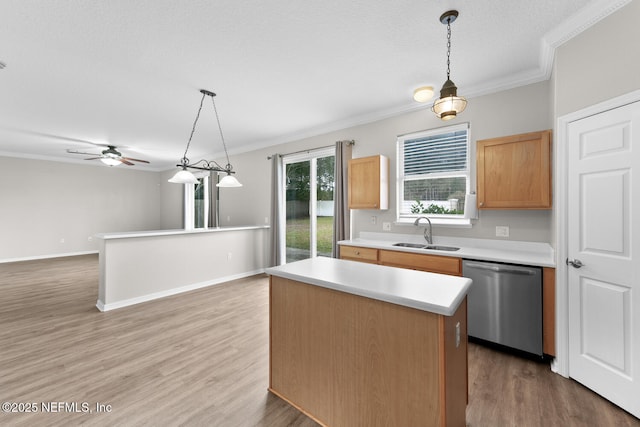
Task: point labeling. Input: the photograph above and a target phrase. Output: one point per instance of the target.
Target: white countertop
(154, 233)
(509, 251)
(436, 293)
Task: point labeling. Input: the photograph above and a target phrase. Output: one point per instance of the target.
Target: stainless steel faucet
(428, 232)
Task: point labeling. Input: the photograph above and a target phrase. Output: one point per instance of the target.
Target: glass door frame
(312, 156)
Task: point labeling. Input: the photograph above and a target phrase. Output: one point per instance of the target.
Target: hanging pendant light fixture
(184, 176)
(449, 104)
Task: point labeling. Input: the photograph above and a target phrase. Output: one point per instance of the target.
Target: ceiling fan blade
(84, 153)
(94, 158)
(135, 160)
(125, 161)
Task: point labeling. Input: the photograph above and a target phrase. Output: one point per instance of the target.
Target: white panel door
(604, 293)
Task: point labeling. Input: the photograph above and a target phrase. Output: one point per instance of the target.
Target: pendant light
(184, 176)
(449, 104)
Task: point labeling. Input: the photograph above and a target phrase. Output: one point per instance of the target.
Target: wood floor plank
(201, 359)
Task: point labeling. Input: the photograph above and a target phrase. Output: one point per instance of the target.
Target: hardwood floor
(201, 359)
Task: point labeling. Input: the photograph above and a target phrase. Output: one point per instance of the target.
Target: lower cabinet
(549, 311)
(356, 253)
(422, 262)
(340, 359)
(453, 266)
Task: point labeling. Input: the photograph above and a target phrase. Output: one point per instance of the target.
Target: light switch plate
(502, 231)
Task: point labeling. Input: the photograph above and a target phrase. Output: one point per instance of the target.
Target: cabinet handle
(481, 203)
(357, 252)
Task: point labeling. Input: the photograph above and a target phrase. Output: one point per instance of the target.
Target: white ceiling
(128, 72)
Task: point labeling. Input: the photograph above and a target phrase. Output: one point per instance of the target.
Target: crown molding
(583, 19)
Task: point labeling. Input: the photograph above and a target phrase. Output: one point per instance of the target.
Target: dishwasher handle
(500, 268)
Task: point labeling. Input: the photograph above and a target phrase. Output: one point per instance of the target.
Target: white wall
(515, 111)
(43, 202)
(171, 203)
(601, 63)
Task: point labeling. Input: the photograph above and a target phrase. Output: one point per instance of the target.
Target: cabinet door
(369, 183)
(514, 172)
(422, 262)
(356, 253)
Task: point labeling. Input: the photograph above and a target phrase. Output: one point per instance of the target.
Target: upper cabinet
(514, 172)
(369, 183)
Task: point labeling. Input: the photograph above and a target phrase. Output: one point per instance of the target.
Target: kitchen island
(354, 344)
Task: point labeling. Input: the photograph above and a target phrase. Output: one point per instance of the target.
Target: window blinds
(446, 152)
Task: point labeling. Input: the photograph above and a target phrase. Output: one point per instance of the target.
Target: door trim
(561, 363)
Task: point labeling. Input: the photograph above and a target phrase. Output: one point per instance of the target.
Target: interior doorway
(598, 307)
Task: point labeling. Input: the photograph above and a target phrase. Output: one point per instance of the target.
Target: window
(433, 174)
(197, 203)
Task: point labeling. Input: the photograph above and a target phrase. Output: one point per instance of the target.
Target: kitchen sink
(442, 248)
(410, 245)
(430, 247)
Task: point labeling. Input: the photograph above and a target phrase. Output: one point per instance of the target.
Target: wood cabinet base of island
(347, 360)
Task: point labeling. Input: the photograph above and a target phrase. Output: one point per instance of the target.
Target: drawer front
(358, 253)
(432, 263)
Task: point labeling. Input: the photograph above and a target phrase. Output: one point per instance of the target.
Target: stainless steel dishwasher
(505, 304)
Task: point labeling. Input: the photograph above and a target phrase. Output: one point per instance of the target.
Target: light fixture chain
(221, 134)
(448, 47)
(193, 129)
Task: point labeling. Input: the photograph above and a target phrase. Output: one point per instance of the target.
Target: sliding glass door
(309, 183)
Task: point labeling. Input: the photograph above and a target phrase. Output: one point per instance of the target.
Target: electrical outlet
(266, 220)
(374, 219)
(229, 256)
(90, 239)
(62, 240)
(386, 226)
(502, 231)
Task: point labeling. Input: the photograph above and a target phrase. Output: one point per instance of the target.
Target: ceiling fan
(111, 156)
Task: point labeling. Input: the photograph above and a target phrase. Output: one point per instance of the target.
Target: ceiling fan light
(183, 177)
(110, 161)
(423, 93)
(229, 181)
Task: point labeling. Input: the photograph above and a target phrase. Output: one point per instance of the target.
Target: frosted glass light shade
(183, 177)
(110, 161)
(449, 104)
(229, 181)
(423, 94)
(448, 107)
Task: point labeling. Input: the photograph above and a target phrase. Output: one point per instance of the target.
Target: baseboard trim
(156, 295)
(34, 258)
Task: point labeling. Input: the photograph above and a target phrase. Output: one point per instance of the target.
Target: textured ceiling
(128, 72)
